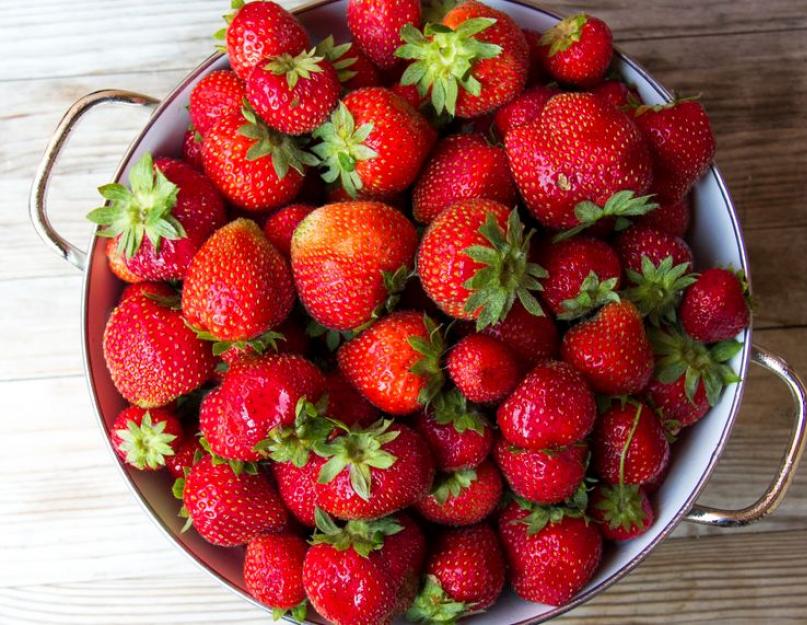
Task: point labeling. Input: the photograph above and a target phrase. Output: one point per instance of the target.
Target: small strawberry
(670, 217)
(353, 68)
(279, 227)
(611, 350)
(117, 263)
(376, 26)
(296, 487)
(532, 339)
(617, 93)
(346, 404)
(715, 308)
(483, 368)
(463, 497)
(657, 290)
(623, 512)
(186, 455)
(578, 50)
(273, 573)
(145, 439)
(217, 95)
(524, 109)
(640, 241)
(350, 260)
(192, 148)
(461, 167)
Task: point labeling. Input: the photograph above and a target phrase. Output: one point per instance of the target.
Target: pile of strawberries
(413, 317)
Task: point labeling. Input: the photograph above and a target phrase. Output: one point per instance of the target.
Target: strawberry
(623, 512)
(192, 148)
(372, 472)
(461, 167)
(483, 368)
(395, 363)
(580, 161)
(611, 350)
(532, 339)
(524, 109)
(681, 142)
(279, 227)
(537, 72)
(346, 404)
(293, 93)
(463, 497)
(349, 261)
(117, 263)
(473, 262)
(459, 436)
(353, 68)
(273, 573)
(217, 95)
(542, 476)
(617, 93)
(578, 50)
(187, 453)
(715, 308)
(670, 399)
(551, 407)
(404, 554)
(296, 486)
(229, 509)
(583, 274)
(465, 575)
(471, 63)
(162, 219)
(670, 217)
(552, 552)
(640, 241)
(257, 30)
(374, 142)
(152, 356)
(238, 286)
(145, 439)
(376, 26)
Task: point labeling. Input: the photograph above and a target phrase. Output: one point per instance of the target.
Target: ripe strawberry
(296, 487)
(217, 95)
(395, 363)
(353, 68)
(483, 368)
(537, 72)
(373, 472)
(152, 356)
(640, 241)
(623, 512)
(404, 554)
(273, 573)
(581, 161)
(524, 109)
(532, 339)
(279, 227)
(186, 454)
(461, 167)
(349, 259)
(346, 404)
(471, 63)
(463, 497)
(681, 143)
(117, 263)
(238, 286)
(611, 350)
(551, 407)
(459, 436)
(257, 30)
(578, 50)
(542, 476)
(374, 142)
(670, 217)
(160, 221)
(473, 262)
(376, 26)
(715, 308)
(617, 93)
(293, 93)
(192, 148)
(676, 409)
(551, 554)
(229, 509)
(145, 439)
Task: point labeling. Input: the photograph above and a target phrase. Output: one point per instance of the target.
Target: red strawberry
(611, 350)
(349, 259)
(353, 68)
(238, 286)
(376, 26)
(152, 356)
(273, 573)
(578, 50)
(404, 554)
(463, 497)
(280, 226)
(395, 363)
(670, 217)
(483, 368)
(296, 486)
(145, 439)
(117, 263)
(640, 241)
(161, 221)
(672, 403)
(545, 477)
(374, 142)
(532, 339)
(623, 512)
(293, 93)
(372, 472)
(580, 161)
(524, 109)
(461, 167)
(410, 94)
(229, 509)
(346, 404)
(472, 63)
(715, 308)
(184, 458)
(629, 445)
(257, 30)
(617, 93)
(217, 95)
(459, 436)
(551, 407)
(681, 142)
(192, 148)
(465, 575)
(537, 72)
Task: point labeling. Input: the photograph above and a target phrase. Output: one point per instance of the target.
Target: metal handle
(39, 190)
(784, 477)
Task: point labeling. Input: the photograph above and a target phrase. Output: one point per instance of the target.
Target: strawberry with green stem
(353, 68)
(577, 50)
(639, 242)
(657, 290)
(463, 497)
(273, 573)
(145, 439)
(717, 306)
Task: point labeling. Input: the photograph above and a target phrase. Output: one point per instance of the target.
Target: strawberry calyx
(173, 302)
(299, 612)
(428, 367)
(363, 537)
(621, 506)
(451, 407)
(238, 466)
(434, 605)
(258, 344)
(506, 275)
(658, 288)
(142, 210)
(593, 293)
(338, 57)
(542, 515)
(564, 34)
(443, 60)
(295, 68)
(295, 443)
(147, 444)
(640, 108)
(221, 34)
(452, 484)
(621, 205)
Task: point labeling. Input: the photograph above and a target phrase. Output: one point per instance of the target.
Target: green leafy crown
(622, 205)
(451, 408)
(294, 443)
(542, 515)
(147, 444)
(295, 68)
(452, 484)
(621, 505)
(434, 606)
(593, 293)
(428, 367)
(337, 55)
(363, 537)
(658, 288)
(564, 34)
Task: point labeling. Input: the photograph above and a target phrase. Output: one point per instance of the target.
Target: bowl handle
(39, 190)
(772, 497)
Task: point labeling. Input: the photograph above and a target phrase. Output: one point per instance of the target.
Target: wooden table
(74, 545)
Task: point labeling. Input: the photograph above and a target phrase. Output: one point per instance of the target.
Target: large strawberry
(145, 439)
(353, 68)
(715, 308)
(524, 109)
(217, 95)
(161, 220)
(350, 259)
(532, 339)
(471, 63)
(279, 227)
(376, 26)
(578, 50)
(483, 368)
(463, 497)
(273, 573)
